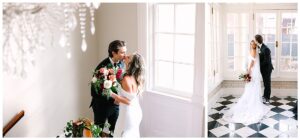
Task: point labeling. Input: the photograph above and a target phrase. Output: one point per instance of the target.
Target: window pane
(266, 20)
(184, 49)
(232, 20)
(285, 36)
(164, 74)
(230, 63)
(285, 63)
(294, 49)
(165, 17)
(230, 49)
(244, 35)
(244, 20)
(185, 18)
(270, 38)
(184, 77)
(272, 48)
(295, 38)
(285, 49)
(164, 49)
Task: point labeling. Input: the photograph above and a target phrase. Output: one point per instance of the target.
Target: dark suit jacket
(265, 59)
(97, 97)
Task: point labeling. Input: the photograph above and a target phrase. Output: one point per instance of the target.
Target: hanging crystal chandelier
(28, 26)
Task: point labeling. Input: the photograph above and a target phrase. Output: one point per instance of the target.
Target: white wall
(55, 91)
(116, 21)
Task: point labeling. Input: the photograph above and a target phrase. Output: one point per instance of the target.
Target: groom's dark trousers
(266, 68)
(267, 84)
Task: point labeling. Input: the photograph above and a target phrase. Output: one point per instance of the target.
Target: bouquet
(245, 76)
(82, 127)
(107, 80)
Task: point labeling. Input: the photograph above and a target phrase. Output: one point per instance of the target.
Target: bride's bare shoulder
(127, 84)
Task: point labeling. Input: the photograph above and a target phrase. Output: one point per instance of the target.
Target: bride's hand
(113, 95)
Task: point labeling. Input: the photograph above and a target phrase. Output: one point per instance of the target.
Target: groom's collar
(112, 62)
(259, 45)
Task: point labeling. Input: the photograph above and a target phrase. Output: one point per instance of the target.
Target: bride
(130, 113)
(249, 108)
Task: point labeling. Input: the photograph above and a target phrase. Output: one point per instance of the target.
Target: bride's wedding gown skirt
(249, 108)
(130, 117)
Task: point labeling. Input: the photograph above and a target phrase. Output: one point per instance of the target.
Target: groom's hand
(116, 102)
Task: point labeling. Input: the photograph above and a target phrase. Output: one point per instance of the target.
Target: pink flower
(102, 70)
(112, 77)
(119, 74)
(111, 71)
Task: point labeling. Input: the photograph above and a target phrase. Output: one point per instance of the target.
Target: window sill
(186, 99)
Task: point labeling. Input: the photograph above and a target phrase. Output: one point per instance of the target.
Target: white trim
(252, 10)
(154, 60)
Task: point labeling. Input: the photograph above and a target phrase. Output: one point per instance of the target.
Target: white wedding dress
(250, 108)
(130, 116)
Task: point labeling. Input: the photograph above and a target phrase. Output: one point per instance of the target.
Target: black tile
(220, 108)
(258, 126)
(289, 98)
(211, 135)
(277, 110)
(216, 116)
(279, 117)
(276, 103)
(213, 124)
(293, 104)
(231, 135)
(229, 97)
(274, 98)
(257, 135)
(226, 102)
(276, 126)
(236, 125)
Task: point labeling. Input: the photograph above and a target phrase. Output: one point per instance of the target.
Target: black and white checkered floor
(279, 122)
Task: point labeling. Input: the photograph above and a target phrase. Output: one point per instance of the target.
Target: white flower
(106, 72)
(107, 84)
(94, 79)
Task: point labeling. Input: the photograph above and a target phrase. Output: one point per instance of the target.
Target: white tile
(286, 107)
(292, 123)
(270, 113)
(283, 101)
(217, 105)
(222, 121)
(234, 100)
(209, 119)
(213, 111)
(270, 132)
(270, 121)
(220, 131)
(288, 113)
(221, 100)
(245, 132)
(292, 133)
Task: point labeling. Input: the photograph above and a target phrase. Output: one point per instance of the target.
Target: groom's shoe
(267, 102)
(264, 100)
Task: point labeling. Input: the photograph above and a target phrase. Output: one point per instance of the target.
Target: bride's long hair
(136, 68)
(252, 42)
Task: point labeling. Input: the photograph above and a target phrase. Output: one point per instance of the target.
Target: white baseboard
(274, 92)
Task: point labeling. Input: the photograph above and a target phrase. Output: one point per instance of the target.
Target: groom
(104, 108)
(266, 67)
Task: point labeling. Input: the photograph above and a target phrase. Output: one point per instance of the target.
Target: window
(289, 43)
(174, 43)
(279, 30)
(213, 44)
(237, 41)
